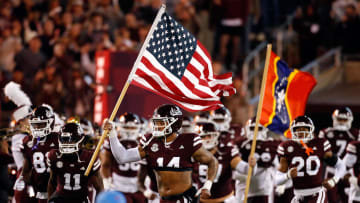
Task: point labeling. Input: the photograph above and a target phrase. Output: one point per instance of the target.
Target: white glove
(19, 184)
(280, 189)
(112, 132)
(107, 183)
(207, 186)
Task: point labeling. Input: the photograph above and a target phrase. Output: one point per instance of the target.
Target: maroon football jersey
(265, 152)
(222, 184)
(175, 156)
(126, 169)
(69, 173)
(36, 153)
(309, 167)
(339, 139)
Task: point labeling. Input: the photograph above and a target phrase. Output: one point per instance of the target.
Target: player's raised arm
(120, 153)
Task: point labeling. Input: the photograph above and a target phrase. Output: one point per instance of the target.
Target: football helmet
(70, 138)
(42, 121)
(250, 128)
(202, 117)
(222, 118)
(302, 128)
(87, 127)
(208, 134)
(342, 119)
(144, 129)
(129, 126)
(167, 119)
(187, 125)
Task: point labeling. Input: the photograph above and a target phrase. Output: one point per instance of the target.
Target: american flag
(177, 66)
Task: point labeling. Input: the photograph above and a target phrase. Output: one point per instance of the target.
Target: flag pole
(258, 114)
(126, 86)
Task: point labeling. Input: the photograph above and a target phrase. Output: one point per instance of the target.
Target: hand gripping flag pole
(123, 92)
(258, 114)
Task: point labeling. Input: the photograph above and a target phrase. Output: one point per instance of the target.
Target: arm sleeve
(350, 157)
(340, 169)
(120, 153)
(281, 178)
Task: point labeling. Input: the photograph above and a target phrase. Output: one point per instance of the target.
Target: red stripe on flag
(163, 77)
(192, 88)
(204, 49)
(156, 86)
(203, 63)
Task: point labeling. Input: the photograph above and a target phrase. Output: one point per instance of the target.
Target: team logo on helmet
(175, 112)
(290, 149)
(330, 135)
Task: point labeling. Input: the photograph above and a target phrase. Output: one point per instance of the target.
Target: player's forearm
(212, 169)
(26, 172)
(340, 169)
(97, 182)
(281, 178)
(120, 153)
(141, 179)
(51, 186)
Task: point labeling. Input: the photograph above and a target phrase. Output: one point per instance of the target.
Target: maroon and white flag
(175, 65)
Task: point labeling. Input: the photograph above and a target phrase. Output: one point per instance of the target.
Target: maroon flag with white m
(176, 65)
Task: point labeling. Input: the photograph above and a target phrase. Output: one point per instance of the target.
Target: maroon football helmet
(42, 121)
(302, 128)
(342, 119)
(129, 126)
(166, 120)
(250, 128)
(222, 118)
(70, 138)
(208, 134)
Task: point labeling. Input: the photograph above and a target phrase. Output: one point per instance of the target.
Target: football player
(123, 177)
(339, 135)
(187, 125)
(35, 148)
(169, 154)
(67, 182)
(301, 159)
(351, 160)
(221, 117)
(229, 160)
(261, 185)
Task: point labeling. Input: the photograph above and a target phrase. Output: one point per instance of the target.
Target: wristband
(147, 193)
(207, 185)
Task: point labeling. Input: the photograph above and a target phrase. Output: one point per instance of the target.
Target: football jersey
(265, 153)
(309, 168)
(339, 139)
(124, 175)
(352, 161)
(36, 153)
(222, 184)
(174, 156)
(69, 173)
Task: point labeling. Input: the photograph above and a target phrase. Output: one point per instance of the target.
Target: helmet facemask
(342, 122)
(68, 145)
(302, 132)
(41, 128)
(129, 131)
(162, 126)
(209, 140)
(261, 135)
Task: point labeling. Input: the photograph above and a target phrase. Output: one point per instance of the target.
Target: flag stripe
(189, 107)
(156, 86)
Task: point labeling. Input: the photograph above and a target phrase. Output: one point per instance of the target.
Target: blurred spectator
(349, 31)
(339, 8)
(10, 44)
(185, 14)
(234, 14)
(30, 59)
(307, 27)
